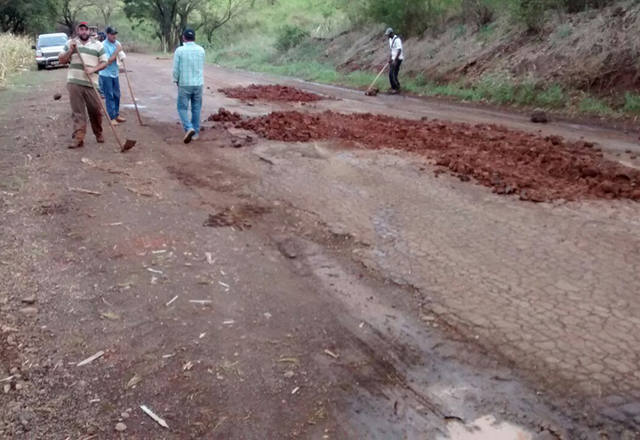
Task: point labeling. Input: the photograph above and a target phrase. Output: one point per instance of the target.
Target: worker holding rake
(109, 77)
(395, 59)
(81, 92)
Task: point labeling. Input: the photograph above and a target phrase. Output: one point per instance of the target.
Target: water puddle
(486, 428)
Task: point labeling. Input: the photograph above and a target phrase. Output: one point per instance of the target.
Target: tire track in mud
(410, 380)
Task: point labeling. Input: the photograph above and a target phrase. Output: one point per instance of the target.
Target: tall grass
(15, 55)
(632, 103)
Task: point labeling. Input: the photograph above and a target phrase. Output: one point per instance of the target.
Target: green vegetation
(15, 55)
(413, 16)
(632, 103)
(290, 36)
(595, 106)
(28, 16)
(416, 16)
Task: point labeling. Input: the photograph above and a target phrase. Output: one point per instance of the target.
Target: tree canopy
(172, 16)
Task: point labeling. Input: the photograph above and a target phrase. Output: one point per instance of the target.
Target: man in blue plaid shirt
(188, 74)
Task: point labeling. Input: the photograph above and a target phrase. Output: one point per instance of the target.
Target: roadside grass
(302, 62)
(594, 106)
(632, 103)
(15, 56)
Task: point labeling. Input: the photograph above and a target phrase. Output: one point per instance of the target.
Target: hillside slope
(597, 51)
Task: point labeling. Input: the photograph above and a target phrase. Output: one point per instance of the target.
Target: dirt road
(299, 290)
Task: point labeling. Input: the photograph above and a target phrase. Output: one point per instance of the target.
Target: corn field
(15, 55)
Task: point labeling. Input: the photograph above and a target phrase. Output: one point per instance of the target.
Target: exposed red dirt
(511, 162)
(224, 115)
(270, 93)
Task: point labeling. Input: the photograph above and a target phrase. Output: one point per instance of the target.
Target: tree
(161, 12)
(186, 8)
(215, 15)
(69, 12)
(26, 16)
(172, 16)
(106, 9)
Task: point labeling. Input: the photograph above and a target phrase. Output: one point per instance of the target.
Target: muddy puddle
(486, 428)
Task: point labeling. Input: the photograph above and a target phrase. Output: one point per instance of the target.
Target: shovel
(128, 143)
(135, 103)
(373, 92)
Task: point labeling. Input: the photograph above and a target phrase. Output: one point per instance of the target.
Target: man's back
(188, 65)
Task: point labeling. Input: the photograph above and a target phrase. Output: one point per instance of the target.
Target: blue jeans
(193, 95)
(110, 88)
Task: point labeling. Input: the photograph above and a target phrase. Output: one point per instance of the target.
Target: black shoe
(190, 134)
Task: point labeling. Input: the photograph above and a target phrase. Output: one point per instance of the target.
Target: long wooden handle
(104, 108)
(135, 103)
(375, 80)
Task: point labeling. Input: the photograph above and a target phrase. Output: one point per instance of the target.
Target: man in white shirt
(395, 59)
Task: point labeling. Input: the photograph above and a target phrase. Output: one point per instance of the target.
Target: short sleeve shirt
(112, 70)
(395, 44)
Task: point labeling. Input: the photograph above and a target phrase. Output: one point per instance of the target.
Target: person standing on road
(188, 74)
(109, 77)
(81, 92)
(395, 59)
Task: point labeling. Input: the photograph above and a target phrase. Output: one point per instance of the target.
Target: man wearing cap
(81, 92)
(395, 59)
(188, 74)
(109, 77)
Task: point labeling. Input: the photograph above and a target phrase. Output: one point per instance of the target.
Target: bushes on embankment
(416, 16)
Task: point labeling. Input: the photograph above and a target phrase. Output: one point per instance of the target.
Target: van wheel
(40, 67)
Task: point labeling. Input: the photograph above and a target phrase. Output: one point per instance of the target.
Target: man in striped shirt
(81, 93)
(188, 74)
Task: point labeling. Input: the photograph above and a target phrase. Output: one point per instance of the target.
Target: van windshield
(52, 40)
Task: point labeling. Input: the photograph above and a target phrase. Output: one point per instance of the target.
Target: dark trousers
(110, 88)
(82, 98)
(394, 70)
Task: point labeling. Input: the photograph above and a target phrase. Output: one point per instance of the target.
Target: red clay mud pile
(270, 93)
(224, 115)
(536, 168)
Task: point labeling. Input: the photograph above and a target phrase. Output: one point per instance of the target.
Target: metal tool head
(128, 145)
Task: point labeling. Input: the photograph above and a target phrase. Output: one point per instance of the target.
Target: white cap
(388, 32)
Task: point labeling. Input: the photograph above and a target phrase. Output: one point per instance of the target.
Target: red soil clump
(270, 93)
(224, 115)
(535, 167)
